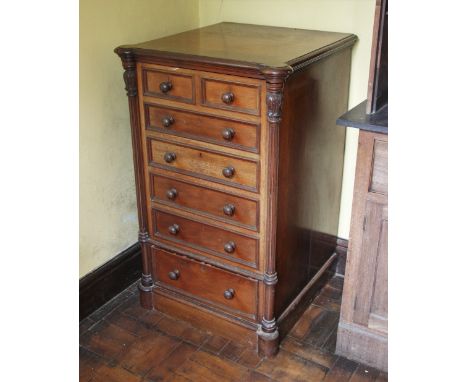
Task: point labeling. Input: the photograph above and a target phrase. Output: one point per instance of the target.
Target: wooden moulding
(130, 78)
(230, 66)
(268, 335)
(111, 278)
(342, 252)
(362, 345)
(205, 318)
(297, 307)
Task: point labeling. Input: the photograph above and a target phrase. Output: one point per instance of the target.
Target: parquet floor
(121, 342)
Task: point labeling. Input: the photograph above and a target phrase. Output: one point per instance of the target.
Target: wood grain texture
(207, 282)
(207, 319)
(379, 179)
(203, 163)
(205, 201)
(311, 152)
(149, 346)
(204, 127)
(245, 97)
(133, 90)
(362, 332)
(182, 85)
(243, 46)
(207, 238)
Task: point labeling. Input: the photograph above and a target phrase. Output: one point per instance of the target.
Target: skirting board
(357, 343)
(294, 311)
(341, 251)
(111, 278)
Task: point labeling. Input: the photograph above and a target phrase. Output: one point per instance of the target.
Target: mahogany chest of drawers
(238, 167)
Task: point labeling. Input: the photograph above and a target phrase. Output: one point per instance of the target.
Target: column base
(146, 296)
(268, 343)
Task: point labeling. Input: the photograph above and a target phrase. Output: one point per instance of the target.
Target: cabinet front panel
(197, 199)
(203, 281)
(216, 241)
(167, 85)
(220, 94)
(203, 127)
(237, 172)
(379, 180)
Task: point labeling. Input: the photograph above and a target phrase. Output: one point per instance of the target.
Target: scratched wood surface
(123, 342)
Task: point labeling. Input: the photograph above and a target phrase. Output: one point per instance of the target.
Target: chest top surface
(249, 45)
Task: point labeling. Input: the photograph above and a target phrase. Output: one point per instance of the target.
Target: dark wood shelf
(357, 117)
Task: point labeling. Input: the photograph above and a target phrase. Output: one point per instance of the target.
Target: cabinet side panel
(310, 172)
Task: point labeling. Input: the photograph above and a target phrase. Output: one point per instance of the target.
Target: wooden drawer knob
(227, 98)
(174, 229)
(172, 193)
(229, 171)
(170, 157)
(167, 121)
(229, 209)
(165, 86)
(174, 275)
(229, 294)
(228, 134)
(230, 247)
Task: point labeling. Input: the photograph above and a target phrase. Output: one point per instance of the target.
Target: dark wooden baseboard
(342, 252)
(363, 345)
(296, 309)
(111, 278)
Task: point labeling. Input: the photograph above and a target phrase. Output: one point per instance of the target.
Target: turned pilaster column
(268, 332)
(130, 78)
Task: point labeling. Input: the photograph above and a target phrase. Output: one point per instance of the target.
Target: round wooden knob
(174, 275)
(174, 229)
(228, 134)
(165, 86)
(229, 294)
(229, 209)
(230, 247)
(229, 171)
(172, 193)
(170, 157)
(227, 98)
(167, 121)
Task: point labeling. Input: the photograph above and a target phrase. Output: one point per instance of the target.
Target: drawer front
(203, 127)
(236, 96)
(198, 199)
(193, 161)
(206, 282)
(216, 241)
(168, 85)
(379, 179)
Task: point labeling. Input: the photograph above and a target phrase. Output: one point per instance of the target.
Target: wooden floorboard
(124, 342)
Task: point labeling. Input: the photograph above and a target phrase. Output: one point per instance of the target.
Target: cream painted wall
(352, 16)
(108, 220)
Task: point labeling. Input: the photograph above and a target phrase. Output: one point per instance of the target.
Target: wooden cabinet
(362, 330)
(238, 166)
(363, 326)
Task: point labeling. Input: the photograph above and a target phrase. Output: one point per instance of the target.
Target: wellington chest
(238, 168)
